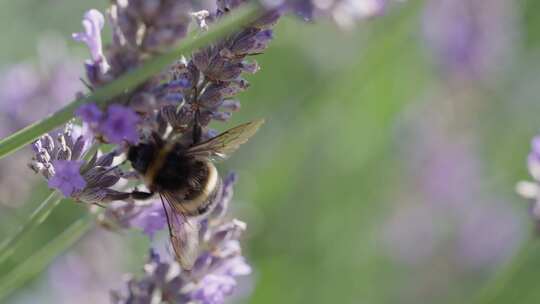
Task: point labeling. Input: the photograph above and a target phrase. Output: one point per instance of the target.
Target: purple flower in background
(120, 125)
(83, 274)
(43, 87)
(531, 189)
(446, 214)
(303, 8)
(150, 220)
(18, 84)
(488, 233)
(93, 23)
(470, 37)
(67, 177)
(89, 113)
(344, 12)
(411, 233)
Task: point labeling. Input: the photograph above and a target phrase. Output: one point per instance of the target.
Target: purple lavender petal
(93, 23)
(150, 220)
(120, 125)
(67, 177)
(213, 289)
(236, 266)
(89, 113)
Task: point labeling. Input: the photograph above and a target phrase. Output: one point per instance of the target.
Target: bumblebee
(185, 177)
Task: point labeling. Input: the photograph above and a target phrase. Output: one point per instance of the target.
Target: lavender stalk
(127, 81)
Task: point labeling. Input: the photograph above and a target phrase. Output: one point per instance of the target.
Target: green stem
(130, 80)
(36, 217)
(43, 257)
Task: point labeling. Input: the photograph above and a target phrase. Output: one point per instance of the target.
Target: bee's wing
(227, 142)
(184, 233)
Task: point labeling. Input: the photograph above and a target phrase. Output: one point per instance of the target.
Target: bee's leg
(140, 195)
(130, 175)
(197, 129)
(157, 139)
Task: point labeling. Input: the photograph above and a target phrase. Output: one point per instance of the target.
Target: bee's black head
(141, 156)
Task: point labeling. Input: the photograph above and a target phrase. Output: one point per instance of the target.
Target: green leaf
(37, 262)
(7, 248)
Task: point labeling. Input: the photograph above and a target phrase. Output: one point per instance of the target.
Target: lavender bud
(212, 96)
(227, 232)
(221, 116)
(226, 196)
(93, 23)
(202, 263)
(201, 59)
(43, 157)
(223, 69)
(143, 103)
(37, 146)
(181, 83)
(47, 142)
(231, 105)
(174, 97)
(64, 154)
(105, 160)
(78, 147)
(250, 67)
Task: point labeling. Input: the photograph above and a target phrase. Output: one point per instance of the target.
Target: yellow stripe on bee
(157, 164)
(209, 187)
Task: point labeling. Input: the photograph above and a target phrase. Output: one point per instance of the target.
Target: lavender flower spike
(60, 161)
(93, 23)
(214, 274)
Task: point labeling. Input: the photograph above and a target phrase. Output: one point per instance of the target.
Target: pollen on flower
(67, 178)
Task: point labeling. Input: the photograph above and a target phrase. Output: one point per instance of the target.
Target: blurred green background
(381, 175)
